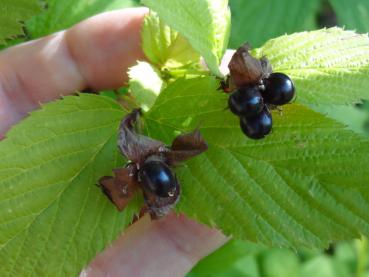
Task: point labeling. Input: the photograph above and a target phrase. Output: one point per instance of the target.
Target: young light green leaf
(279, 262)
(225, 258)
(12, 13)
(204, 23)
(54, 219)
(63, 14)
(352, 14)
(278, 191)
(324, 265)
(165, 47)
(145, 84)
(257, 21)
(328, 66)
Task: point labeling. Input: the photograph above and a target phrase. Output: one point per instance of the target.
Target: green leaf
(351, 116)
(204, 23)
(145, 84)
(279, 263)
(13, 13)
(53, 218)
(323, 266)
(328, 66)
(63, 14)
(165, 47)
(353, 14)
(256, 21)
(226, 257)
(278, 191)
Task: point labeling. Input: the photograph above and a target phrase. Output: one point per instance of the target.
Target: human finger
(95, 53)
(169, 247)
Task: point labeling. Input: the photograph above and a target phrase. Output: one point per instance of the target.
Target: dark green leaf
(13, 13)
(63, 14)
(353, 14)
(257, 21)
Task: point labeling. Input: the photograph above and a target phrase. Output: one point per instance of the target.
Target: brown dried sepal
(121, 188)
(245, 70)
(134, 146)
(186, 146)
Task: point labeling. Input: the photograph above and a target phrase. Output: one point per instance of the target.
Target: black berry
(246, 101)
(258, 126)
(157, 177)
(279, 89)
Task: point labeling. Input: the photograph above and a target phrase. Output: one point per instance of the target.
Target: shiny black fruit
(157, 177)
(258, 126)
(246, 101)
(279, 89)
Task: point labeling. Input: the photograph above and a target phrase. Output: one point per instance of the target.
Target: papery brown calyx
(245, 70)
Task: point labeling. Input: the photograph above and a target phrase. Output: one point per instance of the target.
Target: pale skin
(96, 54)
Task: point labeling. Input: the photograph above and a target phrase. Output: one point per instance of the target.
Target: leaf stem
(362, 248)
(185, 71)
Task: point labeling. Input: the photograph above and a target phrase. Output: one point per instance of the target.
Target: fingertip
(170, 246)
(191, 239)
(106, 45)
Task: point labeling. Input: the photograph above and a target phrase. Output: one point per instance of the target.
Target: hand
(96, 54)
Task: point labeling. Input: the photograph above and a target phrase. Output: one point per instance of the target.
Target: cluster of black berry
(252, 103)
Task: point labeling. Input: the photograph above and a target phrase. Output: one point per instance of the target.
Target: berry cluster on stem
(256, 89)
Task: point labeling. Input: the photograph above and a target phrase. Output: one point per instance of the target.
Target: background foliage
(237, 258)
(12, 14)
